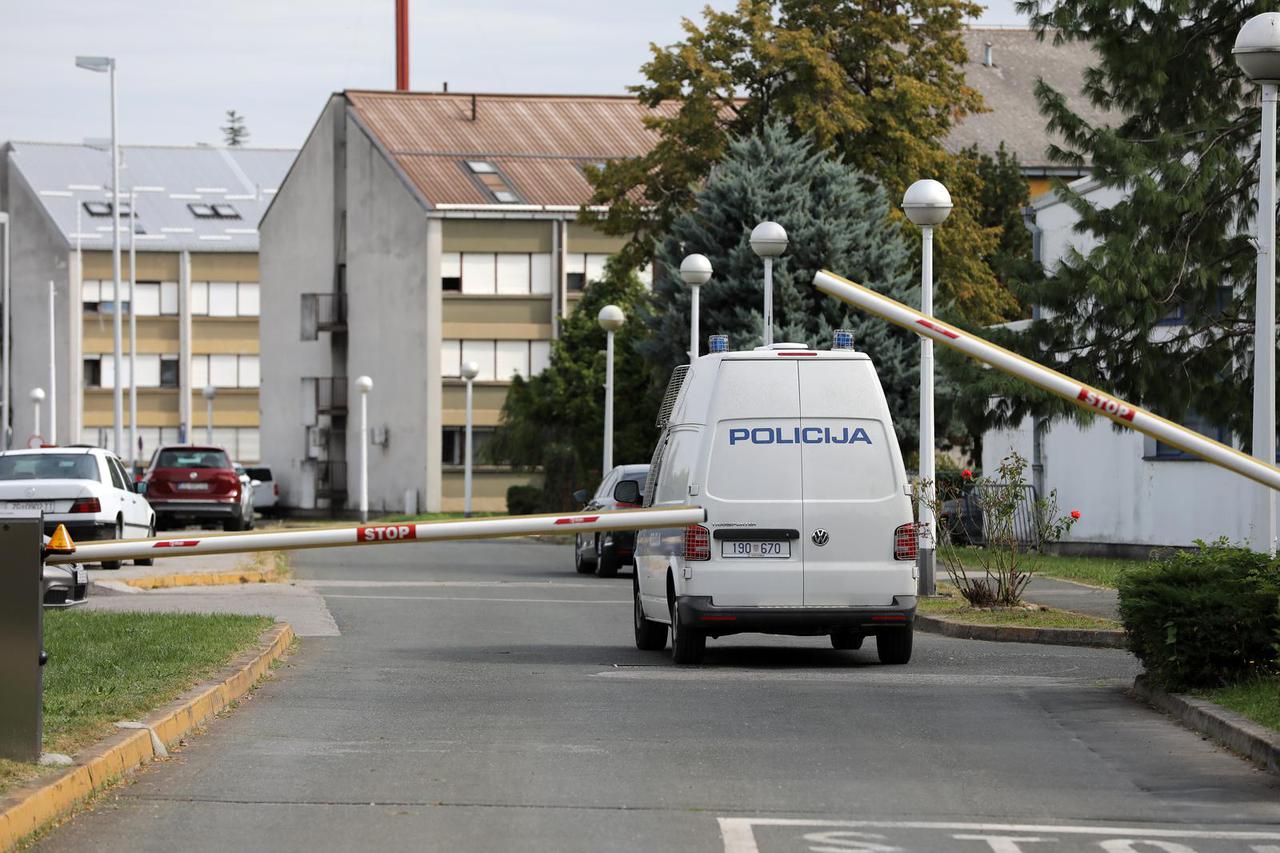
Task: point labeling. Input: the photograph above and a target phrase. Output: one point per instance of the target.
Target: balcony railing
(323, 312)
(330, 394)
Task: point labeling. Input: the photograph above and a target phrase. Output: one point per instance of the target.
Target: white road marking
(481, 598)
(738, 833)
(476, 584)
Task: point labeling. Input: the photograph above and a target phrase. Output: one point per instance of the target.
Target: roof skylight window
(202, 211)
(225, 211)
(492, 180)
(98, 208)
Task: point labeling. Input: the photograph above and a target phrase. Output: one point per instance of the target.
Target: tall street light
(106, 64)
(768, 241)
(209, 393)
(470, 370)
(4, 336)
(364, 385)
(37, 397)
(133, 331)
(926, 203)
(610, 319)
(1257, 52)
(695, 271)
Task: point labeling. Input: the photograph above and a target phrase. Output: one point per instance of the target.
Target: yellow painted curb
(207, 579)
(26, 810)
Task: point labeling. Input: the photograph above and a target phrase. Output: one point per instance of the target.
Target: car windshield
(183, 458)
(49, 466)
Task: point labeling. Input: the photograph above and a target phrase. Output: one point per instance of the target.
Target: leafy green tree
(835, 217)
(234, 132)
(879, 84)
(1181, 149)
(555, 420)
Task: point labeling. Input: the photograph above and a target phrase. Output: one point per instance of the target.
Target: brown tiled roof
(540, 143)
(1008, 87)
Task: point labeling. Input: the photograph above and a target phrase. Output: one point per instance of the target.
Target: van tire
(894, 647)
(650, 636)
(846, 640)
(581, 563)
(688, 644)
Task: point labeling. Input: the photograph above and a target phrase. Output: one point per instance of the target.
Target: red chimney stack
(402, 45)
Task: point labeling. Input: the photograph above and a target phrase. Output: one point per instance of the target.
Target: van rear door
(851, 486)
(752, 491)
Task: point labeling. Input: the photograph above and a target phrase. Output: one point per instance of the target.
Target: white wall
(1124, 496)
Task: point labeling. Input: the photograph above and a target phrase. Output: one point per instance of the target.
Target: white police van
(809, 528)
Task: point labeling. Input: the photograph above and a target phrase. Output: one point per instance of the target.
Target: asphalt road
(482, 696)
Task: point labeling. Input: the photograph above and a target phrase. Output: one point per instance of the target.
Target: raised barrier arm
(375, 534)
(1084, 396)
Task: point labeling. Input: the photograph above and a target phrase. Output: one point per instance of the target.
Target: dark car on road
(606, 552)
(197, 485)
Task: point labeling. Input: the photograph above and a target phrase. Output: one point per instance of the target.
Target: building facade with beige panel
(196, 293)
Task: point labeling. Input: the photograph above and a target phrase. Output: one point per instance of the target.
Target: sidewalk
(189, 571)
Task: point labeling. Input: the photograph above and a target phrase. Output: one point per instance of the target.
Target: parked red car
(199, 485)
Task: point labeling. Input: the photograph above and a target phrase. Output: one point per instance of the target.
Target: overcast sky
(183, 64)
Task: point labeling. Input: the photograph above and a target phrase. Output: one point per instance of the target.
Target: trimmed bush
(524, 500)
(1203, 618)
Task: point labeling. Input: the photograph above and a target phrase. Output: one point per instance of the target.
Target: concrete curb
(1226, 728)
(27, 810)
(1101, 638)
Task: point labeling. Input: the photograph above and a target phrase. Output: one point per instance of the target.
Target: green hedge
(524, 500)
(1203, 618)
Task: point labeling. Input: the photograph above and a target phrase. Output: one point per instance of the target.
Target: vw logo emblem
(820, 537)
(31, 491)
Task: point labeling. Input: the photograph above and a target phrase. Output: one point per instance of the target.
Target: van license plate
(773, 550)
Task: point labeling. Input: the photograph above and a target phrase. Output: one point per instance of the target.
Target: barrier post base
(21, 635)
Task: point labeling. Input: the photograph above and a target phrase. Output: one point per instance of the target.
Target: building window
(93, 372)
(202, 211)
(168, 298)
(225, 299)
(97, 208)
(146, 298)
(225, 371)
(225, 211)
(1201, 425)
(90, 294)
(453, 444)
(488, 176)
(169, 375)
(451, 272)
(479, 272)
(498, 360)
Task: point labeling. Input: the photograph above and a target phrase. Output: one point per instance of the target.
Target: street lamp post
(610, 319)
(768, 241)
(364, 385)
(927, 204)
(209, 393)
(695, 270)
(53, 367)
(470, 370)
(133, 332)
(37, 397)
(1257, 52)
(107, 64)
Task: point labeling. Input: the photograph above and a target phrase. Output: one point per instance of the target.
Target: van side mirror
(580, 496)
(627, 492)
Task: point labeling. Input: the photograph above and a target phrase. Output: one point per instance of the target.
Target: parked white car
(85, 488)
(809, 527)
(266, 492)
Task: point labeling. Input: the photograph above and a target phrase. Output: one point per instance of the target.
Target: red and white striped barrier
(1084, 396)
(195, 545)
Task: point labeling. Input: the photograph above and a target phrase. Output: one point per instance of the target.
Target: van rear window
(847, 459)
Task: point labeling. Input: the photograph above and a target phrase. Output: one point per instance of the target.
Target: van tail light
(697, 543)
(86, 505)
(906, 542)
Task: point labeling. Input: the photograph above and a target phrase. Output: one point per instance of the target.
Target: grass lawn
(105, 667)
(956, 610)
(1097, 571)
(1258, 699)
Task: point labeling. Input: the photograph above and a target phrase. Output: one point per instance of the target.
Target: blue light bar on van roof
(718, 343)
(843, 340)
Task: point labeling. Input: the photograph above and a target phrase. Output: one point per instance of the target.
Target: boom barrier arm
(375, 534)
(1085, 396)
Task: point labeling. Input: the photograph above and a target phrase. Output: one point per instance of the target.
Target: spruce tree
(1159, 310)
(234, 133)
(836, 218)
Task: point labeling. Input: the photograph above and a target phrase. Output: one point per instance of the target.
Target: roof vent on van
(673, 391)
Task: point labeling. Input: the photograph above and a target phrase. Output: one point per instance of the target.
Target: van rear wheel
(688, 644)
(894, 647)
(846, 640)
(650, 636)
